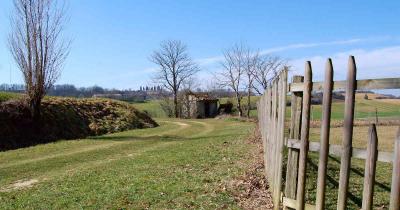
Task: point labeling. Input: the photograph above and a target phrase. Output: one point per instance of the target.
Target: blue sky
(112, 40)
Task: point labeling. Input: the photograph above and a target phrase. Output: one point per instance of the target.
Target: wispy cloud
(215, 59)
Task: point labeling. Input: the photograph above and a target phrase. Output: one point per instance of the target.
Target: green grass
(152, 107)
(5, 96)
(363, 109)
(178, 165)
(386, 136)
(382, 185)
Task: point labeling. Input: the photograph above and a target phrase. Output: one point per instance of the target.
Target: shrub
(66, 118)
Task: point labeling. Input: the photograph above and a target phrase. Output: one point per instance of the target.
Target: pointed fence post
(370, 168)
(305, 128)
(325, 128)
(345, 161)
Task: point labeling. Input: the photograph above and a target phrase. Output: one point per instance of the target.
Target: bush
(66, 118)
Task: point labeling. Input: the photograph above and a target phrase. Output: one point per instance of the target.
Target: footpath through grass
(179, 165)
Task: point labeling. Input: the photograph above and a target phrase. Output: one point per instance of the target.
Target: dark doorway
(207, 109)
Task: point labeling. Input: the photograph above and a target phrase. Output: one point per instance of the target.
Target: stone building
(199, 105)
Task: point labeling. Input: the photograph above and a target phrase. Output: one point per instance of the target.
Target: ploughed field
(180, 164)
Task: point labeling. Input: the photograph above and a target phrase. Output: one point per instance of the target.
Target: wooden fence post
(305, 127)
(345, 162)
(280, 136)
(370, 167)
(293, 154)
(395, 189)
(325, 128)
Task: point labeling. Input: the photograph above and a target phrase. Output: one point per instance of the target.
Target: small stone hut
(199, 105)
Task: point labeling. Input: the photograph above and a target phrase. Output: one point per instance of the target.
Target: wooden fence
(271, 113)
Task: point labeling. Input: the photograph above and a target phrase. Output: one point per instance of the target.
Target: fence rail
(271, 112)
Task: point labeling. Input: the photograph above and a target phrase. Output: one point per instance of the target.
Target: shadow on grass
(158, 137)
(361, 174)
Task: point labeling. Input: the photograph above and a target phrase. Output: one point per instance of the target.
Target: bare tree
(251, 60)
(37, 46)
(174, 67)
(266, 69)
(232, 72)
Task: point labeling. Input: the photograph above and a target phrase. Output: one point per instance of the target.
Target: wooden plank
(273, 137)
(292, 203)
(365, 84)
(294, 133)
(325, 128)
(347, 134)
(305, 128)
(395, 189)
(370, 168)
(281, 135)
(336, 150)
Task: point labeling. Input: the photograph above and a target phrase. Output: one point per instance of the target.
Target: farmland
(180, 164)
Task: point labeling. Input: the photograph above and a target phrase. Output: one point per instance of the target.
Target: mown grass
(152, 107)
(178, 165)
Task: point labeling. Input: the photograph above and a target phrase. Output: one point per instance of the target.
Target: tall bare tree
(251, 60)
(233, 70)
(266, 69)
(38, 47)
(175, 66)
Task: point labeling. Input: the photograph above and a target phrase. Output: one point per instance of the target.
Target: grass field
(152, 107)
(386, 136)
(178, 165)
(386, 108)
(5, 96)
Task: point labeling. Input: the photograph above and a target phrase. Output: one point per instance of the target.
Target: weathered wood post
(305, 127)
(293, 154)
(395, 189)
(370, 168)
(325, 128)
(347, 134)
(282, 85)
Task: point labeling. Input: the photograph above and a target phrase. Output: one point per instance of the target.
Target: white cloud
(215, 59)
(377, 63)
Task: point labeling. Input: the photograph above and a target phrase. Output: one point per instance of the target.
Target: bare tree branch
(266, 70)
(174, 67)
(37, 45)
(233, 69)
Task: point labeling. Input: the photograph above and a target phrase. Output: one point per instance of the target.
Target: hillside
(66, 118)
(182, 164)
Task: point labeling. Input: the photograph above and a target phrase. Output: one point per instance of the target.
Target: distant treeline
(144, 92)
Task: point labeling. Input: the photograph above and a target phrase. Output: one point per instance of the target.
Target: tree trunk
(248, 102)
(35, 106)
(239, 106)
(176, 108)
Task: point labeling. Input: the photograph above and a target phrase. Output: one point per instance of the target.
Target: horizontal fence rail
(271, 114)
(365, 84)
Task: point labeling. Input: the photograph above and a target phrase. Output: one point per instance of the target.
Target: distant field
(363, 109)
(179, 165)
(5, 96)
(152, 107)
(386, 108)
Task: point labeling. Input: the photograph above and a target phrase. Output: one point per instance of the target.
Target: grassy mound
(66, 118)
